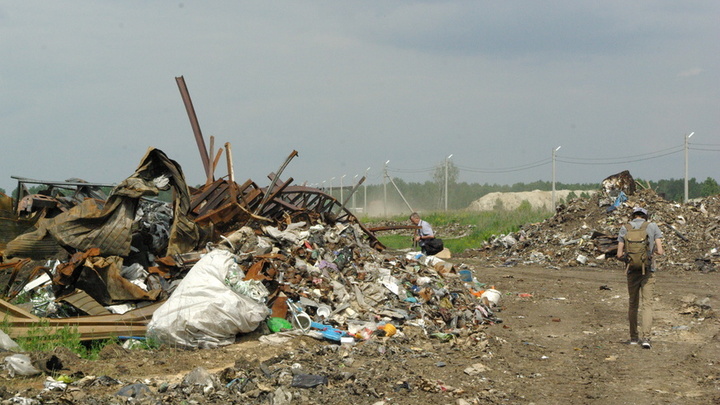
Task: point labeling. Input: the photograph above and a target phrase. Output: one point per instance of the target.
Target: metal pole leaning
(401, 194)
(185, 94)
(352, 193)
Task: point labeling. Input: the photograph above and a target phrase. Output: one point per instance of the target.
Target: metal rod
(211, 157)
(211, 176)
(194, 123)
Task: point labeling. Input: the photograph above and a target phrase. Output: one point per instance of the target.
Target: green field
(485, 225)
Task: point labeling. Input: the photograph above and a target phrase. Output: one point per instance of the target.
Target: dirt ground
(564, 344)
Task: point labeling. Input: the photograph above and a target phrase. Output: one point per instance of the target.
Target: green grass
(486, 224)
(42, 337)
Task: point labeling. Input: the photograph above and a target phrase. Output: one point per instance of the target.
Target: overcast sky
(87, 86)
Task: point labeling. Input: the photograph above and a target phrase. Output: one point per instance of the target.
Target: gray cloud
(86, 90)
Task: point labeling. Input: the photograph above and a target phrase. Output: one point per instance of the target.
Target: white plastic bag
(6, 343)
(20, 364)
(203, 312)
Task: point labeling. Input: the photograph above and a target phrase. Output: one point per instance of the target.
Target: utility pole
(385, 177)
(687, 141)
(446, 181)
(553, 177)
(365, 192)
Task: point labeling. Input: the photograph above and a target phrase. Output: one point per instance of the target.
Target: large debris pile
(219, 261)
(584, 232)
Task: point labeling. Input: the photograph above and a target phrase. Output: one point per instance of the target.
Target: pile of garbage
(584, 231)
(223, 260)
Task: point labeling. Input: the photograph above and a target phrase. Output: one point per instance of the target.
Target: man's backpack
(433, 246)
(636, 243)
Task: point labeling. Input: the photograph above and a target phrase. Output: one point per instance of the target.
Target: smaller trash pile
(319, 279)
(584, 232)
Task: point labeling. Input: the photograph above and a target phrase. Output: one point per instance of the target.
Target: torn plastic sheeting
(203, 312)
(289, 236)
(109, 227)
(20, 365)
(7, 344)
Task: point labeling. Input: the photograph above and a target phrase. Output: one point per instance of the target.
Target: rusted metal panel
(84, 302)
(199, 198)
(275, 178)
(79, 190)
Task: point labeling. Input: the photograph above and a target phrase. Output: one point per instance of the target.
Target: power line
(704, 144)
(671, 149)
(424, 170)
(569, 160)
(705, 150)
(619, 162)
(507, 169)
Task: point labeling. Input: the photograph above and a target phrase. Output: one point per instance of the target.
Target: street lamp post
(342, 196)
(446, 181)
(331, 187)
(553, 177)
(687, 142)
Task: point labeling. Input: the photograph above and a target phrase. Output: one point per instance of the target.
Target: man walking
(640, 271)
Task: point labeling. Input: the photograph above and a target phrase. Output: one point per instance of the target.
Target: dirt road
(562, 345)
(566, 343)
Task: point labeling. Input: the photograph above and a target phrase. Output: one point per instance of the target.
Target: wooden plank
(131, 323)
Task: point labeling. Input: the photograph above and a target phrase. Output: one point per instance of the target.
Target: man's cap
(640, 210)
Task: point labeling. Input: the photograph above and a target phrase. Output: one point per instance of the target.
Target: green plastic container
(278, 324)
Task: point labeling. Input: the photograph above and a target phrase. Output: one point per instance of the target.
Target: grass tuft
(42, 337)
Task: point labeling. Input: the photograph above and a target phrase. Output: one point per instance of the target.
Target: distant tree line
(674, 190)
